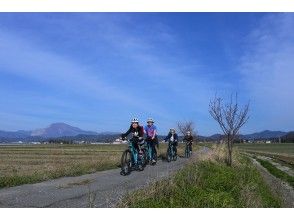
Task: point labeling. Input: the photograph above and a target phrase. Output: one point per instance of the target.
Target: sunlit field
(35, 163)
(285, 148)
(283, 152)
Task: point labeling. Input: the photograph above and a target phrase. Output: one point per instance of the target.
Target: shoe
(153, 161)
(136, 167)
(140, 168)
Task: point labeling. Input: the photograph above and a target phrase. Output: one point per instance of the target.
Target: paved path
(101, 189)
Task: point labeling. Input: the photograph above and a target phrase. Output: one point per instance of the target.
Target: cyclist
(172, 137)
(188, 139)
(137, 140)
(151, 139)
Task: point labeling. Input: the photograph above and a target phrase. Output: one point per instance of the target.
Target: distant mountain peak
(60, 129)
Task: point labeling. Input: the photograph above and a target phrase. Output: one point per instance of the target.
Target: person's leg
(153, 150)
(134, 153)
(175, 149)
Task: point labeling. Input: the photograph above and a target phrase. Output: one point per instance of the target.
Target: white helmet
(135, 120)
(150, 120)
(188, 132)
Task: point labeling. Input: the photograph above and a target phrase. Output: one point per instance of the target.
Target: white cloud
(25, 59)
(268, 72)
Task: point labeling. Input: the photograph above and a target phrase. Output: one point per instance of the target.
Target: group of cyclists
(147, 135)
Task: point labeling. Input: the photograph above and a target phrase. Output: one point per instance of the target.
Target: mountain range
(53, 131)
(62, 130)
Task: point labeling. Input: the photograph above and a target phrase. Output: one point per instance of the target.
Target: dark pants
(152, 144)
(189, 146)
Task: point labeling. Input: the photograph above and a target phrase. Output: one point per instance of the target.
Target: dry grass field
(283, 152)
(34, 163)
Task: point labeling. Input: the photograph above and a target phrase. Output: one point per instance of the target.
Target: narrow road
(101, 189)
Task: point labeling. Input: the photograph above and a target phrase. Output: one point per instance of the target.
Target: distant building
(268, 142)
(119, 141)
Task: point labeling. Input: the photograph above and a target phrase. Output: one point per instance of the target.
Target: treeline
(288, 138)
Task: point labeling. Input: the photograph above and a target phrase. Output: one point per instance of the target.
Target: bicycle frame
(187, 149)
(171, 151)
(136, 156)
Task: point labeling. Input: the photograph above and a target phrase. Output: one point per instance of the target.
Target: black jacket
(188, 138)
(136, 132)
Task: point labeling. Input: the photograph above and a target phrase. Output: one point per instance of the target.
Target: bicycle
(128, 162)
(187, 150)
(171, 154)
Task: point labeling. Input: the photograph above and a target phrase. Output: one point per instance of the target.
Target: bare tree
(230, 118)
(187, 126)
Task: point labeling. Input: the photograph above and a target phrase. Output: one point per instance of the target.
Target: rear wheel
(175, 156)
(126, 162)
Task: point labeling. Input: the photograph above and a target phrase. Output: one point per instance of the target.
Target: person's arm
(126, 134)
(155, 132)
(141, 132)
(176, 137)
(167, 137)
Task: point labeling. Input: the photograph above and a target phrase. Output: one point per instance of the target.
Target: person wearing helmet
(151, 138)
(137, 139)
(172, 137)
(189, 140)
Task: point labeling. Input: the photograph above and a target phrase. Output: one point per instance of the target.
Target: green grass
(277, 172)
(207, 184)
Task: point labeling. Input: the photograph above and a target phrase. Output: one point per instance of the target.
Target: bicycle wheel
(186, 151)
(148, 152)
(169, 154)
(175, 156)
(126, 162)
(143, 158)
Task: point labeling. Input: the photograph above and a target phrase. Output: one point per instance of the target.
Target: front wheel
(126, 163)
(175, 156)
(187, 152)
(169, 154)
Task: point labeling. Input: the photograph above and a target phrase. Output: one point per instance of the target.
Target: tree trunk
(230, 149)
(230, 155)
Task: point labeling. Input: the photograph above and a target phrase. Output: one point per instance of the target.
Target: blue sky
(98, 70)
